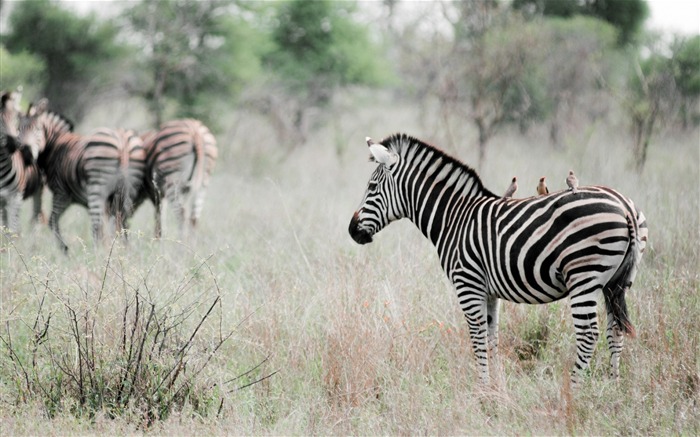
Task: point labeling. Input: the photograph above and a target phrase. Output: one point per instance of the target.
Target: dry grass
(369, 339)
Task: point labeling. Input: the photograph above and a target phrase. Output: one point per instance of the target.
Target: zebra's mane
(402, 143)
(57, 121)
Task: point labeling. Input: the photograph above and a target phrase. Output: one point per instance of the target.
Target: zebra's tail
(123, 204)
(614, 291)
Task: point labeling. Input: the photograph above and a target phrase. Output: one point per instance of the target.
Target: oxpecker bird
(512, 188)
(572, 182)
(542, 187)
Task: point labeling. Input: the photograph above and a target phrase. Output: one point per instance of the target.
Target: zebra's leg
(3, 213)
(14, 207)
(492, 307)
(37, 213)
(96, 207)
(197, 205)
(615, 339)
(59, 205)
(473, 304)
(584, 308)
(175, 200)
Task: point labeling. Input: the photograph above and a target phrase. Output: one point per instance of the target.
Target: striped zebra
(180, 159)
(535, 250)
(102, 171)
(19, 174)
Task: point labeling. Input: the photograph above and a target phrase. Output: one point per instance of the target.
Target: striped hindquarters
(181, 156)
(114, 163)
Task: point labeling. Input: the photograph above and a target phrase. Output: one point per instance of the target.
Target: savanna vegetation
(270, 319)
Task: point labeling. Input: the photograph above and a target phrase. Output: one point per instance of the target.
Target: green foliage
(686, 60)
(192, 53)
(23, 69)
(557, 8)
(319, 42)
(627, 16)
(72, 49)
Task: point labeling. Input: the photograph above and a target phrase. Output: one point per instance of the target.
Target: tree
(652, 96)
(73, 50)
(318, 48)
(191, 53)
(686, 74)
(627, 16)
(576, 68)
(22, 69)
(485, 77)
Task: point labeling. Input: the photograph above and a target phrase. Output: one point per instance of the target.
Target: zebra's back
(533, 250)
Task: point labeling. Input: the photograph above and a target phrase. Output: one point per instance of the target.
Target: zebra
(20, 177)
(535, 250)
(102, 171)
(179, 158)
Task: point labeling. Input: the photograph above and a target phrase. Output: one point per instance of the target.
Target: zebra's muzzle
(361, 236)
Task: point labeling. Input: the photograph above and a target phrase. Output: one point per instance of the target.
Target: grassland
(336, 338)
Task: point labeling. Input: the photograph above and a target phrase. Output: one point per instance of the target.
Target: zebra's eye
(372, 186)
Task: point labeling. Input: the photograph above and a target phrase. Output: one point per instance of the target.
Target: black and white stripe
(180, 159)
(102, 171)
(19, 175)
(535, 250)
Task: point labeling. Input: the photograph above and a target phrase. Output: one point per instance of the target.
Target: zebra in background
(180, 159)
(535, 250)
(20, 177)
(102, 171)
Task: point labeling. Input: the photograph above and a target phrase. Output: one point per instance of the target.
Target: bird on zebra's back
(512, 188)
(180, 158)
(102, 171)
(542, 187)
(537, 250)
(572, 182)
(20, 177)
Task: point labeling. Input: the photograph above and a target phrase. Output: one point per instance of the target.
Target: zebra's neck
(434, 186)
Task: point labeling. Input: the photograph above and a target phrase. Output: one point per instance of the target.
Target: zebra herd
(109, 171)
(577, 243)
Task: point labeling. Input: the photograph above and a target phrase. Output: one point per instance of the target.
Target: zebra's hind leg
(585, 315)
(615, 339)
(197, 205)
(97, 207)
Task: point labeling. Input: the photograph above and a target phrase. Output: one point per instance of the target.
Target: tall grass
(337, 338)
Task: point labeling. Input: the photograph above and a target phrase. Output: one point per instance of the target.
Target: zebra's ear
(381, 154)
(39, 108)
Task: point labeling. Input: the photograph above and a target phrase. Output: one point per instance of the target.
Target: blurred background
(556, 70)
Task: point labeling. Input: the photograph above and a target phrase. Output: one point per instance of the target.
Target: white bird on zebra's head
(512, 188)
(572, 182)
(542, 187)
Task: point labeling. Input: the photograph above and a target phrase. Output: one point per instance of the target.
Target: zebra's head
(39, 126)
(380, 205)
(9, 118)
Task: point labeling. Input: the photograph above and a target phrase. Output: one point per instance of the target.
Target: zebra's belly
(549, 288)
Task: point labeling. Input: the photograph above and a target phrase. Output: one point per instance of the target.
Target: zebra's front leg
(615, 339)
(585, 315)
(14, 207)
(473, 304)
(492, 309)
(37, 213)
